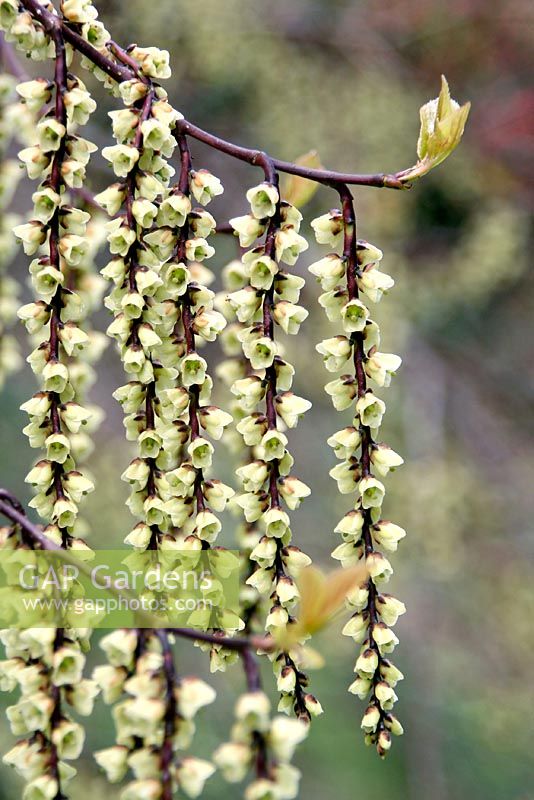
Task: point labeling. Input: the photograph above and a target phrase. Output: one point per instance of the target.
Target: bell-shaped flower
(328, 228)
(263, 200)
(382, 366)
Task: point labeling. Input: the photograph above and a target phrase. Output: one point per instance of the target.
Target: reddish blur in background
(347, 78)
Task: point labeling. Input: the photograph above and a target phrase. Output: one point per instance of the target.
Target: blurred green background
(348, 78)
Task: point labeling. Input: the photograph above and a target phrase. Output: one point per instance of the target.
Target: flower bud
(383, 743)
(393, 724)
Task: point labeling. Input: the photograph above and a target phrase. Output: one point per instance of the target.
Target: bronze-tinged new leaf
(321, 597)
(299, 191)
(442, 126)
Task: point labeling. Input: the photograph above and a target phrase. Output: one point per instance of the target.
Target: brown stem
(12, 510)
(253, 678)
(187, 315)
(235, 643)
(169, 720)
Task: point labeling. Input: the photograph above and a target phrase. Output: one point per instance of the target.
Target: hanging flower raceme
(57, 237)
(140, 247)
(46, 666)
(347, 281)
(154, 712)
(16, 122)
(271, 299)
(47, 663)
(189, 321)
(158, 245)
(263, 744)
(233, 370)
